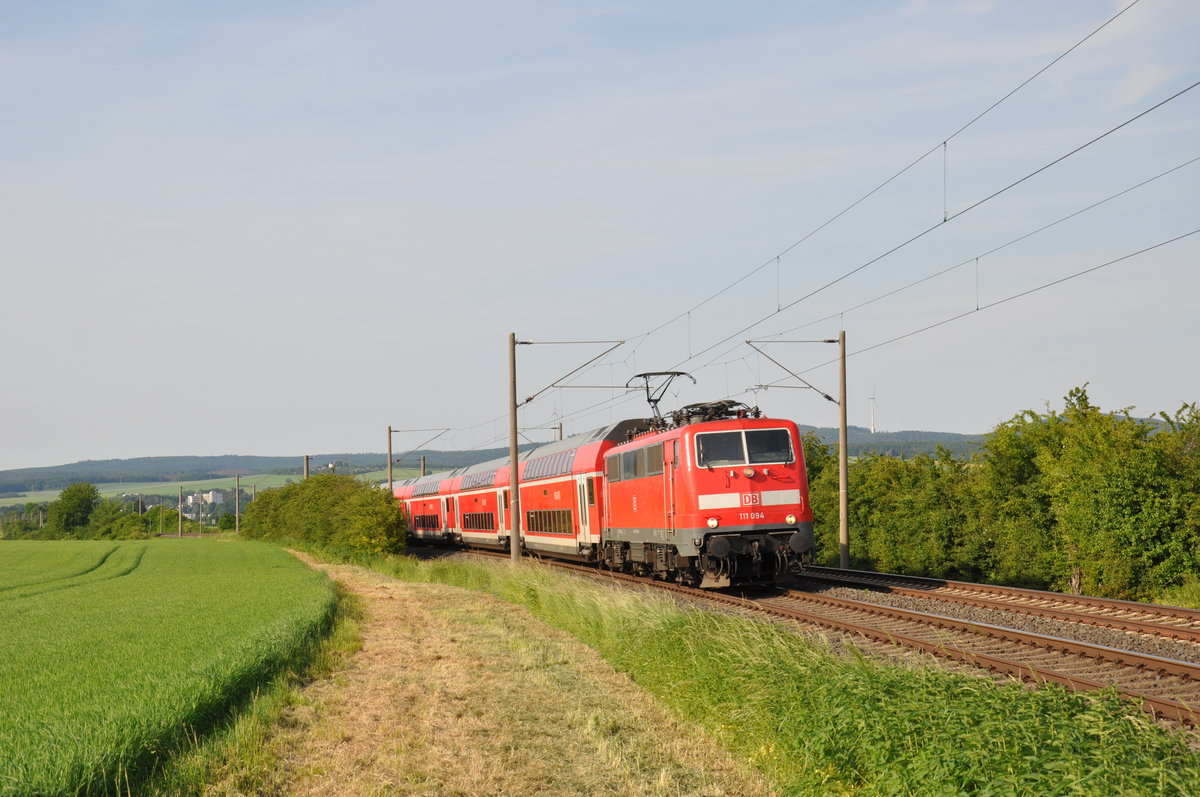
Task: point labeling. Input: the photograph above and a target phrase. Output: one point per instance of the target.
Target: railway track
(1164, 687)
(1148, 619)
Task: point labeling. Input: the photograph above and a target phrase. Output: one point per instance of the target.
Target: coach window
(591, 492)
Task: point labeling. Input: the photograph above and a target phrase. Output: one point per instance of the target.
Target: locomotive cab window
(768, 445)
(752, 446)
(720, 449)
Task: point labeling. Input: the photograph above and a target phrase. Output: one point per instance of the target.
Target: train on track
(712, 495)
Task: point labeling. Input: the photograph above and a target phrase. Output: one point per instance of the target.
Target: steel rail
(1141, 661)
(1013, 599)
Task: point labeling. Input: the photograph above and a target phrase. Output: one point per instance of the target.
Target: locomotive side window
(644, 461)
(720, 449)
(768, 445)
(612, 469)
(629, 465)
(654, 460)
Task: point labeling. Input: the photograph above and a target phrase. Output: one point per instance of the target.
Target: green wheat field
(115, 656)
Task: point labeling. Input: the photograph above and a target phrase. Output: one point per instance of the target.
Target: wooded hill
(173, 469)
(190, 468)
(863, 441)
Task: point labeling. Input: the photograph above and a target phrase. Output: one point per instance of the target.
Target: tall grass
(1186, 594)
(820, 722)
(107, 673)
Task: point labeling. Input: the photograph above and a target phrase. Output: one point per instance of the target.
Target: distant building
(211, 497)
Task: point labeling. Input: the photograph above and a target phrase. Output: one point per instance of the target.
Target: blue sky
(277, 228)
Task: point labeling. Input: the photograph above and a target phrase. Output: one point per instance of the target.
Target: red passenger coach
(715, 495)
(561, 498)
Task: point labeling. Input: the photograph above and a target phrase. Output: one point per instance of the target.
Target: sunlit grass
(819, 722)
(106, 674)
(1186, 594)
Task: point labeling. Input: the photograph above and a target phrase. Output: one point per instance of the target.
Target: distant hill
(172, 469)
(899, 444)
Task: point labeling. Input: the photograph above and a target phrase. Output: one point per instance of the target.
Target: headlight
(712, 522)
(749, 472)
(790, 519)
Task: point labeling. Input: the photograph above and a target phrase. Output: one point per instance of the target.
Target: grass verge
(1186, 594)
(816, 722)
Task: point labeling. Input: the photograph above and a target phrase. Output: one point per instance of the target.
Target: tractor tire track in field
(109, 567)
(459, 693)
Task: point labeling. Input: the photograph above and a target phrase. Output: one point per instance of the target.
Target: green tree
(111, 521)
(1114, 502)
(821, 466)
(1013, 502)
(69, 515)
(911, 516)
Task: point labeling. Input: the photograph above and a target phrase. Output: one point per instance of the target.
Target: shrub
(339, 513)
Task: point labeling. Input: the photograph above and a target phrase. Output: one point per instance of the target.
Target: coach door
(585, 516)
(503, 509)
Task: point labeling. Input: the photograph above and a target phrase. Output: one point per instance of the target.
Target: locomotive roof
(616, 433)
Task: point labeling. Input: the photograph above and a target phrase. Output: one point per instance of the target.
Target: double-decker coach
(561, 498)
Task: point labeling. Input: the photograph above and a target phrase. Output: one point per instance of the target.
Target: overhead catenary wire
(1011, 242)
(973, 206)
(593, 408)
(1003, 301)
(624, 399)
(942, 143)
(639, 339)
(617, 344)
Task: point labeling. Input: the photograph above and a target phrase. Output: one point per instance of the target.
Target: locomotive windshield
(743, 447)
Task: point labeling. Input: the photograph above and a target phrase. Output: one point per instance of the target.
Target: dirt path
(457, 693)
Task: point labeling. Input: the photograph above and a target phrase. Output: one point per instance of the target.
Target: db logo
(751, 499)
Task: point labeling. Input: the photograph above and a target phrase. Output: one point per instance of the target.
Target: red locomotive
(716, 495)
